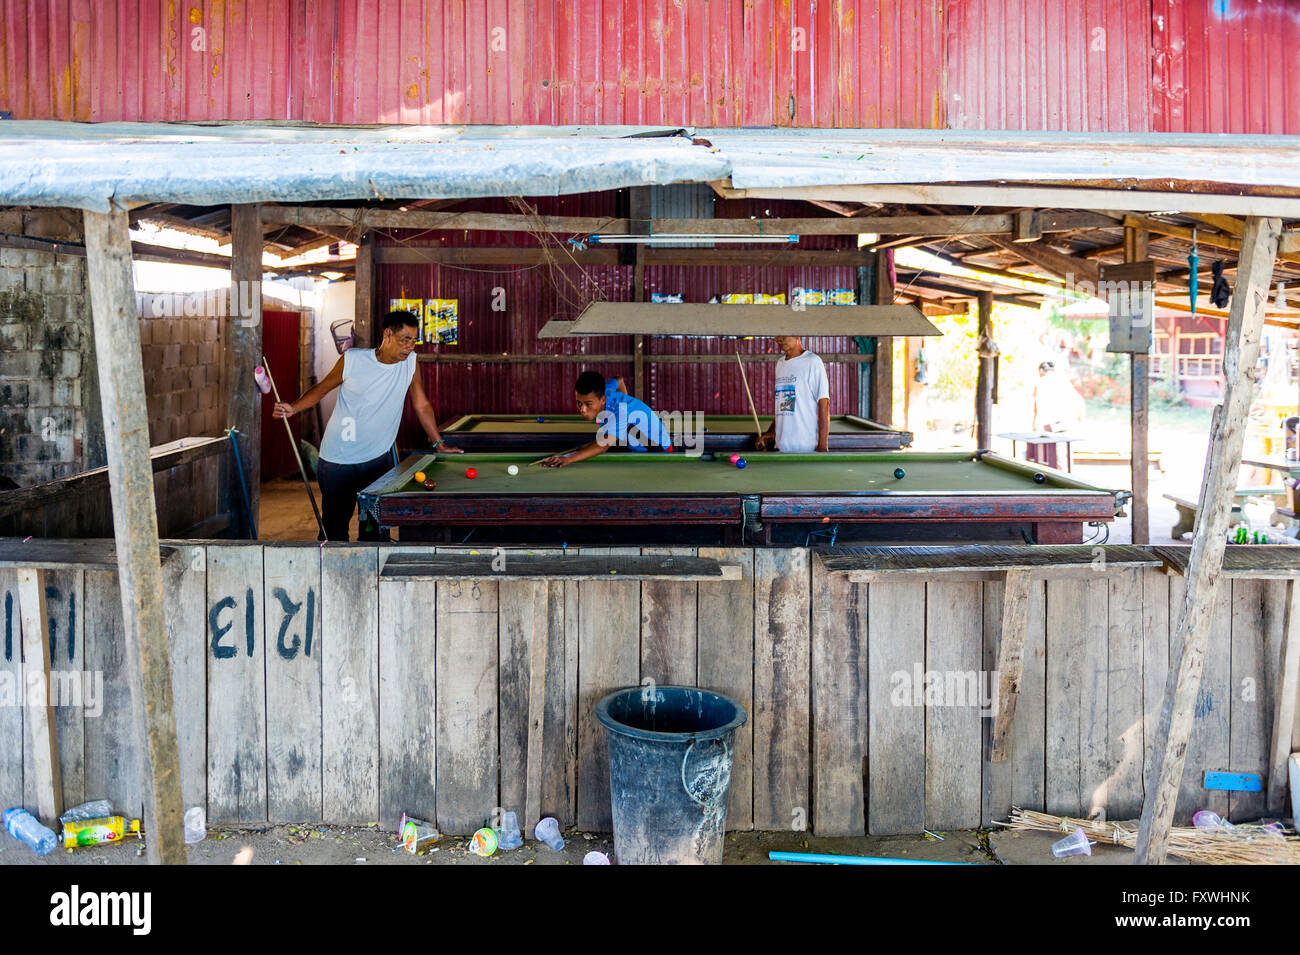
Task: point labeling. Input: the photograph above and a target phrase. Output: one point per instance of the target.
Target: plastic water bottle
(509, 836)
(548, 831)
(26, 828)
(263, 381)
(98, 809)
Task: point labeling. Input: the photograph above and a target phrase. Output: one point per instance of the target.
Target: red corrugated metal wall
(534, 295)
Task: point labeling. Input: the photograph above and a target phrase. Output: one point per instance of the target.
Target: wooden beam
(1029, 194)
(1212, 239)
(1011, 657)
(1228, 224)
(363, 315)
(1135, 250)
(1285, 701)
(135, 524)
(1188, 643)
(1028, 226)
(639, 209)
(531, 255)
(244, 350)
(987, 357)
(1044, 256)
(973, 224)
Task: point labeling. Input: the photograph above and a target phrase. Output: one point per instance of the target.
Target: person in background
(802, 420)
(621, 418)
(1058, 407)
(356, 448)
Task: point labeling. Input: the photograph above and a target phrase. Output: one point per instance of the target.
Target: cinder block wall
(50, 424)
(182, 372)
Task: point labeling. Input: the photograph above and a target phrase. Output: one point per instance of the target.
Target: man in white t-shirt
(802, 421)
(357, 445)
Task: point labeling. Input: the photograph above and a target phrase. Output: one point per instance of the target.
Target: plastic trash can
(670, 752)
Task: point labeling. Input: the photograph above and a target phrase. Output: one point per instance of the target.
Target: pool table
(553, 433)
(794, 499)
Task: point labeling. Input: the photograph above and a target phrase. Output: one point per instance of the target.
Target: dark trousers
(339, 484)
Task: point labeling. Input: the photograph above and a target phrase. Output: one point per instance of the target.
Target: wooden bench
(1155, 459)
(1188, 510)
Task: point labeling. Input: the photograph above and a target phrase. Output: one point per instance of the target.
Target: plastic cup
(1075, 844)
(195, 825)
(1207, 819)
(595, 858)
(548, 831)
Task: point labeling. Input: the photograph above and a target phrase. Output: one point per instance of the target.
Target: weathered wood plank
(1257, 612)
(561, 750)
(954, 638)
(1077, 747)
(1124, 695)
(726, 665)
(11, 691)
(77, 692)
(1156, 602)
(408, 716)
(114, 763)
(1286, 683)
(1010, 662)
(292, 603)
(523, 651)
(896, 700)
(838, 681)
(609, 627)
(1019, 779)
(656, 564)
(350, 682)
(467, 749)
(185, 582)
(236, 685)
(782, 602)
(668, 625)
(1207, 747)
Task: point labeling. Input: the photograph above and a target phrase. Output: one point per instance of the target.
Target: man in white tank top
(357, 446)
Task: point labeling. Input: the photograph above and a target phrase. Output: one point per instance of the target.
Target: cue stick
(745, 379)
(294, 444)
(558, 454)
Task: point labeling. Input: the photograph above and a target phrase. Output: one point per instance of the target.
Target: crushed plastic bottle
(27, 829)
(96, 809)
(595, 858)
(509, 836)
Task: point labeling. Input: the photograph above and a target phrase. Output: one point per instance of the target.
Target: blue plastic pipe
(850, 860)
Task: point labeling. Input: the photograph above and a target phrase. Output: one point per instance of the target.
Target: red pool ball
(734, 458)
(471, 473)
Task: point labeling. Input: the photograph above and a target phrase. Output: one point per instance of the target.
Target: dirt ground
(334, 845)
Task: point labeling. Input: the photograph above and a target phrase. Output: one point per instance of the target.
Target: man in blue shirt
(622, 420)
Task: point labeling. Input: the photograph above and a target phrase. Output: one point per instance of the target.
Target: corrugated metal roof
(51, 164)
(46, 164)
(791, 158)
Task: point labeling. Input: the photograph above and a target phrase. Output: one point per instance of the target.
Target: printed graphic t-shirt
(629, 420)
(369, 409)
(800, 383)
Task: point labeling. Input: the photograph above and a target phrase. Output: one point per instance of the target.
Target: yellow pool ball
(419, 477)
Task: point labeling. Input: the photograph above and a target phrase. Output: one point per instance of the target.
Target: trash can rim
(617, 726)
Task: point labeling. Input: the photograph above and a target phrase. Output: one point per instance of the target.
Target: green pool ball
(900, 473)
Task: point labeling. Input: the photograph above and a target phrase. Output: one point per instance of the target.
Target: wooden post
(363, 315)
(638, 211)
(135, 526)
(882, 369)
(984, 379)
(244, 398)
(1135, 250)
(39, 716)
(1188, 644)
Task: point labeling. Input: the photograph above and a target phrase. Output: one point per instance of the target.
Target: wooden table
(1038, 439)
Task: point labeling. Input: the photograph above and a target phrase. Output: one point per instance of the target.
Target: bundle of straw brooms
(1240, 845)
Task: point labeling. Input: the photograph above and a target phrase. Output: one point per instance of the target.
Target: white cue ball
(512, 470)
